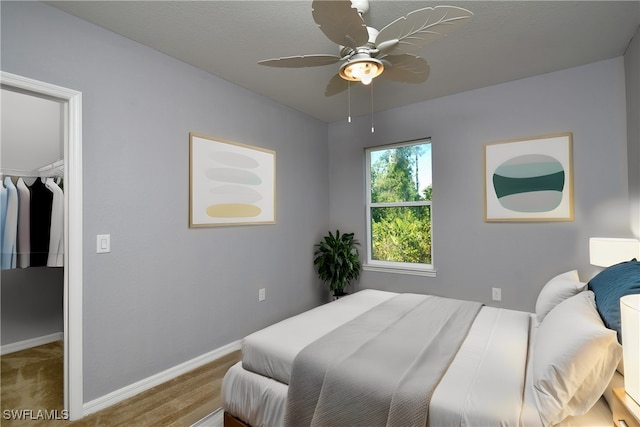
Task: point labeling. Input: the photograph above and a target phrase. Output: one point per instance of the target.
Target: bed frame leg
(231, 421)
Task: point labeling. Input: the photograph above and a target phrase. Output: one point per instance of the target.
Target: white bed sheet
(270, 351)
(484, 384)
(257, 400)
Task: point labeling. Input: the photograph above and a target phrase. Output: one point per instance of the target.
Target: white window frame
(370, 264)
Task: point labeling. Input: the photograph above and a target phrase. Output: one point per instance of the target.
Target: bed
(556, 366)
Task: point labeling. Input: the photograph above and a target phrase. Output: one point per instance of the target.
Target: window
(398, 185)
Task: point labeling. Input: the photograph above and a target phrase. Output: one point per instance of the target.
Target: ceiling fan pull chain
(349, 101)
(372, 128)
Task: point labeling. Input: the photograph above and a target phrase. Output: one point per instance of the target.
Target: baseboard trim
(30, 343)
(214, 419)
(157, 379)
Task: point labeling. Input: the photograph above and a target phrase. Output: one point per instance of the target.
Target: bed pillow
(574, 357)
(610, 285)
(556, 290)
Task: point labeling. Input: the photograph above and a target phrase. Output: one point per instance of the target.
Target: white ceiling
(505, 41)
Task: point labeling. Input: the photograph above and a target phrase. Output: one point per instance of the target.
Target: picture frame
(230, 183)
(529, 179)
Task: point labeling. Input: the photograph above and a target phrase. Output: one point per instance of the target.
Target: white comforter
(490, 367)
(270, 351)
(484, 384)
(380, 368)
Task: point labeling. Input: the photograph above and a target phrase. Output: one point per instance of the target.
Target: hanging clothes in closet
(24, 224)
(32, 229)
(10, 224)
(56, 240)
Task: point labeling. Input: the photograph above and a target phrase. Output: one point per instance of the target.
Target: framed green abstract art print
(529, 179)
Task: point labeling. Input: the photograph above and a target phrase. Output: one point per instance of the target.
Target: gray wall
(472, 256)
(166, 293)
(632, 72)
(31, 303)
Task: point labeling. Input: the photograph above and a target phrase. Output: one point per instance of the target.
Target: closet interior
(32, 167)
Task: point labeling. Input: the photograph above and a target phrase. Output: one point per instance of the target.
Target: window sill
(400, 270)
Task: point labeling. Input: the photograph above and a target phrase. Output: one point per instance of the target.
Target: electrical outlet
(262, 294)
(496, 294)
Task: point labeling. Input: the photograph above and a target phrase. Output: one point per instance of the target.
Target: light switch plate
(103, 243)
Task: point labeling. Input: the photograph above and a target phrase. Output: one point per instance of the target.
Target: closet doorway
(71, 129)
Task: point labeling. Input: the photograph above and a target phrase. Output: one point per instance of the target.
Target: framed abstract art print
(529, 179)
(230, 183)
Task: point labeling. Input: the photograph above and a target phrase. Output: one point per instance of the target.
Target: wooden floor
(30, 382)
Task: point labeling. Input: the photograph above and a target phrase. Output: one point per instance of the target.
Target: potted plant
(336, 259)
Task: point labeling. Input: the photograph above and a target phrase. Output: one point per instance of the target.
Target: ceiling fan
(366, 53)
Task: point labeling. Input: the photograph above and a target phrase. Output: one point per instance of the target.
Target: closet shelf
(49, 170)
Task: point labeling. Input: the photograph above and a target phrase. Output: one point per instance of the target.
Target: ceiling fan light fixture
(361, 68)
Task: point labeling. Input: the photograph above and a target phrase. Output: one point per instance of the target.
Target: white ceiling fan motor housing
(346, 51)
(361, 5)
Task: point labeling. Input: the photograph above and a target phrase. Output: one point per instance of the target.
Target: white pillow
(556, 290)
(574, 358)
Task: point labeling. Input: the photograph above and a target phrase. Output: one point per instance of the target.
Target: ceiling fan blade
(301, 61)
(340, 22)
(420, 27)
(336, 85)
(405, 68)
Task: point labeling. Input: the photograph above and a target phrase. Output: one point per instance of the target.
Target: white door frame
(72, 310)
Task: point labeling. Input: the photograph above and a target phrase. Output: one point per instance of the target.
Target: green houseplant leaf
(337, 260)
